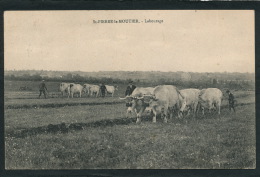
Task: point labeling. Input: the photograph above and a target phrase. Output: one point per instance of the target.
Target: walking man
(231, 101)
(42, 89)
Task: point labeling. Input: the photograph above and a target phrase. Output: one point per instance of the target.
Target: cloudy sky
(191, 41)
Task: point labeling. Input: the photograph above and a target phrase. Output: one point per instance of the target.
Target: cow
(210, 98)
(164, 100)
(65, 88)
(190, 100)
(75, 88)
(111, 89)
(94, 90)
(86, 89)
(135, 102)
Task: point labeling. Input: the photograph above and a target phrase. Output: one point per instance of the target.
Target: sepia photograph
(129, 89)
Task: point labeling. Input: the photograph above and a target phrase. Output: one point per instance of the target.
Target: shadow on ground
(65, 128)
(57, 105)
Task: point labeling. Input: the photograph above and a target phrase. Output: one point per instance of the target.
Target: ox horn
(152, 96)
(148, 95)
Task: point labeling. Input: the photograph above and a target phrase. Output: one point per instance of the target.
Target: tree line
(199, 83)
(67, 78)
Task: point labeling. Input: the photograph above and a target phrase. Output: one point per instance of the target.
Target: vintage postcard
(132, 89)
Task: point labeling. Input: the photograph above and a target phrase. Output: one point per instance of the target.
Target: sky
(186, 40)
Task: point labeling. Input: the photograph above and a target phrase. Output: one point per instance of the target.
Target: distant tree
(25, 77)
(36, 77)
(69, 76)
(214, 82)
(12, 77)
(78, 78)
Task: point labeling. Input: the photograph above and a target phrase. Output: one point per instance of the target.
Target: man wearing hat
(42, 89)
(231, 100)
(130, 88)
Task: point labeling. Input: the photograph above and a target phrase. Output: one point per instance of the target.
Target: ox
(111, 89)
(94, 90)
(65, 88)
(135, 101)
(75, 88)
(86, 89)
(164, 100)
(209, 98)
(190, 100)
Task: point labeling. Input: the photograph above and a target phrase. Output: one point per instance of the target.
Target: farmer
(103, 90)
(231, 101)
(130, 88)
(42, 89)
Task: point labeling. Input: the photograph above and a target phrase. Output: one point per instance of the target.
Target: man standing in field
(103, 90)
(130, 88)
(42, 89)
(231, 101)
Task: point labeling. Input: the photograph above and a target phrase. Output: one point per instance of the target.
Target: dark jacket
(231, 97)
(103, 88)
(129, 90)
(42, 86)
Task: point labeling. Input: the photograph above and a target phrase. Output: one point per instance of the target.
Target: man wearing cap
(42, 89)
(130, 88)
(231, 100)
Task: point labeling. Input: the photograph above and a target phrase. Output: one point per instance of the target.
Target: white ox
(75, 88)
(164, 100)
(190, 100)
(65, 88)
(136, 102)
(94, 90)
(86, 89)
(209, 98)
(111, 89)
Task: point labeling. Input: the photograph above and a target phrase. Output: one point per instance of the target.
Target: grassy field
(93, 133)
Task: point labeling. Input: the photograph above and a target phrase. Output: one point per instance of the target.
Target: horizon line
(128, 71)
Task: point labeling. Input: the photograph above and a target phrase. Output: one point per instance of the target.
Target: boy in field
(231, 100)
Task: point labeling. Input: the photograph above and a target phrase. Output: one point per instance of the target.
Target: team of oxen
(165, 100)
(70, 89)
